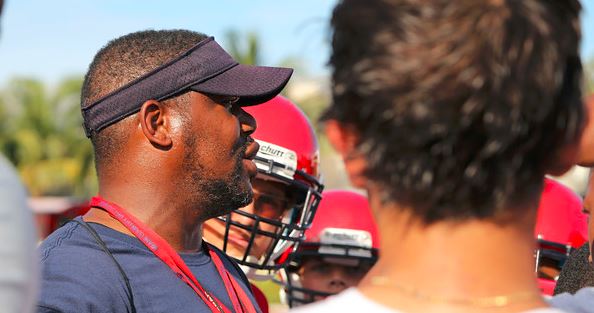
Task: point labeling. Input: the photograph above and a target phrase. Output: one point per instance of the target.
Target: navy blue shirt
(78, 276)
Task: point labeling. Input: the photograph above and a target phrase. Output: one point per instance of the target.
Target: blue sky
(52, 39)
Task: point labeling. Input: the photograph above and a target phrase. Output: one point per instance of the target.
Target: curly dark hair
(461, 106)
(121, 61)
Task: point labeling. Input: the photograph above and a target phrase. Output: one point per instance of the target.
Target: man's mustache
(241, 146)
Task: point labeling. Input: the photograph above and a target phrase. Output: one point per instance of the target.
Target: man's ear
(153, 118)
(345, 140)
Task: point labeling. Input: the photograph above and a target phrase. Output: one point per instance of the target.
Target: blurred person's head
(286, 192)
(450, 118)
(560, 228)
(339, 249)
(447, 110)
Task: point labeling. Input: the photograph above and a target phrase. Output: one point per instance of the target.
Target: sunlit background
(46, 46)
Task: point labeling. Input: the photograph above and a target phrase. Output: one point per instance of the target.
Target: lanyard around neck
(160, 248)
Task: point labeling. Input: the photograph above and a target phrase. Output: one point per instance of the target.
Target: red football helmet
(560, 227)
(343, 228)
(289, 155)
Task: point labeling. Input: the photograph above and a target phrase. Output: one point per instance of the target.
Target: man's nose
(248, 122)
(338, 281)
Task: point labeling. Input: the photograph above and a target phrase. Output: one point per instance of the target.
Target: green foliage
(43, 137)
(246, 50)
(589, 77)
(270, 290)
(313, 106)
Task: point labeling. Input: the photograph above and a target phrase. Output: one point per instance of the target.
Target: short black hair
(460, 105)
(121, 61)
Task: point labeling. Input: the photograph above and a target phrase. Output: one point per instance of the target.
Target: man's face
(589, 209)
(216, 163)
(270, 201)
(322, 275)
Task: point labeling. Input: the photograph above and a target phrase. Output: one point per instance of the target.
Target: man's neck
(428, 268)
(169, 218)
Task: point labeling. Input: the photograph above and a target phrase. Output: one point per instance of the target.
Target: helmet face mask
(293, 294)
(278, 234)
(295, 290)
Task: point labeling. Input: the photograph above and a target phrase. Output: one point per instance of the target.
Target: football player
(339, 249)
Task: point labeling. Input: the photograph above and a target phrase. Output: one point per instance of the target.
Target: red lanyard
(162, 249)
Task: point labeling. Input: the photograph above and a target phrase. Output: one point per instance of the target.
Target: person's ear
(345, 140)
(153, 118)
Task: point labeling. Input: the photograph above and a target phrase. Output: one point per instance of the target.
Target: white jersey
(580, 302)
(18, 260)
(351, 300)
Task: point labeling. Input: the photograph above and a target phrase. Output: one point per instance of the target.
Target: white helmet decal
(331, 237)
(279, 160)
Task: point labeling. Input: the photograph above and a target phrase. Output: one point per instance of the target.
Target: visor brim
(253, 84)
